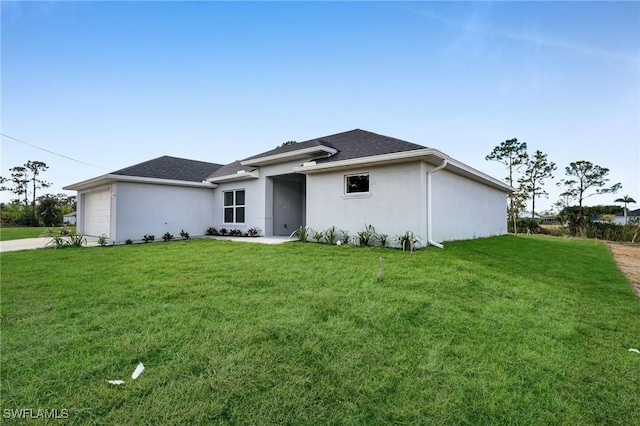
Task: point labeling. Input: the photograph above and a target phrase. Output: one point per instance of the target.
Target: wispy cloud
(537, 40)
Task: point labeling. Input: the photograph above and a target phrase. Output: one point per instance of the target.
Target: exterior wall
(464, 209)
(259, 199)
(155, 209)
(396, 201)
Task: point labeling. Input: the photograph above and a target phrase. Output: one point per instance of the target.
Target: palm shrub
(184, 234)
(302, 233)
(318, 236)
(330, 235)
(345, 237)
(383, 239)
(167, 236)
(367, 237)
(407, 241)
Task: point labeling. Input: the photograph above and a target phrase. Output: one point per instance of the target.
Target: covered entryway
(97, 213)
(289, 202)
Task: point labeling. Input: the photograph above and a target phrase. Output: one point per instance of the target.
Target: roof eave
(242, 175)
(429, 155)
(110, 178)
(289, 156)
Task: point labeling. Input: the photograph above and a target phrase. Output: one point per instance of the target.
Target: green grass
(508, 330)
(18, 233)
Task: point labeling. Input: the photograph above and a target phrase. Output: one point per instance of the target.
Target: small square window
(357, 183)
(234, 206)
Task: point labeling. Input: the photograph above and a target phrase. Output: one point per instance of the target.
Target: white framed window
(234, 206)
(356, 184)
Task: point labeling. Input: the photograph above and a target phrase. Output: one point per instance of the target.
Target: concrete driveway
(35, 243)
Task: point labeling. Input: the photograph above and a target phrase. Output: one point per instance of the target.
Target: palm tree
(626, 200)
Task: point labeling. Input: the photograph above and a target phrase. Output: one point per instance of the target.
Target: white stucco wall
(465, 209)
(396, 201)
(155, 209)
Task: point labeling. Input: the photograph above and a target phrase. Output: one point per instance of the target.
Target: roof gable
(351, 144)
(172, 168)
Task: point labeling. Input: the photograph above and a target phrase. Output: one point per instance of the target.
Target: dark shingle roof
(231, 169)
(351, 144)
(171, 168)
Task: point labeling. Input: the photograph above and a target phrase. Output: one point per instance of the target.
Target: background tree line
(527, 173)
(29, 208)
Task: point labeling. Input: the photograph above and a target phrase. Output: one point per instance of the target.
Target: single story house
(69, 218)
(347, 180)
(631, 216)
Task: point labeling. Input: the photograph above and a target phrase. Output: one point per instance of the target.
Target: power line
(51, 152)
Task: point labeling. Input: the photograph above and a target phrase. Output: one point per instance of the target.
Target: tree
(626, 200)
(512, 154)
(36, 167)
(20, 181)
(583, 176)
(49, 211)
(287, 143)
(537, 169)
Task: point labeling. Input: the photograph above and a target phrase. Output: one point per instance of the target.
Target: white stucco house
(347, 180)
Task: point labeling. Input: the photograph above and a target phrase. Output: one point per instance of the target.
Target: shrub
(407, 241)
(253, 232)
(102, 240)
(211, 231)
(76, 240)
(383, 239)
(365, 238)
(527, 225)
(345, 238)
(302, 233)
(235, 232)
(128, 241)
(318, 235)
(223, 231)
(167, 236)
(184, 234)
(330, 235)
(148, 238)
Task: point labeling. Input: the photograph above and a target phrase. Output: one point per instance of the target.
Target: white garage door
(97, 213)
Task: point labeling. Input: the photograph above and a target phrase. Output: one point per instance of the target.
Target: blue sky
(117, 83)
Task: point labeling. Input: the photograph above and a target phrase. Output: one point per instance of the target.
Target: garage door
(97, 213)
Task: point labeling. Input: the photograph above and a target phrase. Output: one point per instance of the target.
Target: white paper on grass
(634, 350)
(116, 382)
(137, 371)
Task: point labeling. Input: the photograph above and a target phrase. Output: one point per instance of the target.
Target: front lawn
(507, 330)
(18, 233)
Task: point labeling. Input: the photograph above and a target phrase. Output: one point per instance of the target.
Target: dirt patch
(627, 257)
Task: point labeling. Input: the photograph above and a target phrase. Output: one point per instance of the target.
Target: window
(234, 206)
(357, 183)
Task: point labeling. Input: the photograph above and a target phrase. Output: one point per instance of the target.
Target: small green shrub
(76, 240)
(345, 237)
(302, 233)
(211, 231)
(253, 232)
(167, 236)
(330, 235)
(223, 231)
(318, 235)
(365, 238)
(148, 238)
(102, 240)
(235, 232)
(408, 241)
(184, 234)
(128, 241)
(383, 239)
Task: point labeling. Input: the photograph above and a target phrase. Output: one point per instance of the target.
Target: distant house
(632, 217)
(347, 180)
(69, 218)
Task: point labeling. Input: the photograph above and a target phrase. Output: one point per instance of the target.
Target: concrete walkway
(38, 243)
(35, 243)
